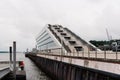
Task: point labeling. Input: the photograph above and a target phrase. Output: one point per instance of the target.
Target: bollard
(10, 51)
(14, 59)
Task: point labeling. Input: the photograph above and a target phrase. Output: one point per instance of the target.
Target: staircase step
(63, 34)
(57, 28)
(78, 48)
(54, 26)
(60, 30)
(67, 38)
(72, 42)
(60, 26)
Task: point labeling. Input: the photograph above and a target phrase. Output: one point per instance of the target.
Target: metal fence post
(83, 53)
(77, 53)
(105, 54)
(73, 53)
(116, 53)
(61, 51)
(88, 53)
(96, 53)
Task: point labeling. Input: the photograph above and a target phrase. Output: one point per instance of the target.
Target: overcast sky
(22, 20)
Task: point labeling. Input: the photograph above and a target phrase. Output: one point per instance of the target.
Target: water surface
(32, 72)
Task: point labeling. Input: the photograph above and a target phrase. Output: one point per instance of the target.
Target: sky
(22, 20)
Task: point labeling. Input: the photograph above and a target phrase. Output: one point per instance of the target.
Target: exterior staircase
(69, 40)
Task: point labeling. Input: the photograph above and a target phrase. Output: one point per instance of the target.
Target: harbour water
(32, 72)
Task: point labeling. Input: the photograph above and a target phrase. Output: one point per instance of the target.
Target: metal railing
(4, 72)
(87, 54)
(105, 55)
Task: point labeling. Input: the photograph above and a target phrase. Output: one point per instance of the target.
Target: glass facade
(45, 41)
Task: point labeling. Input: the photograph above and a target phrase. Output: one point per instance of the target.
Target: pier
(77, 68)
(63, 55)
(10, 70)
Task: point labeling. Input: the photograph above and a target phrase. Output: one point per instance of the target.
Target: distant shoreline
(4, 52)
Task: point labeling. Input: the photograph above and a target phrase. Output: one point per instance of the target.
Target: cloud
(22, 20)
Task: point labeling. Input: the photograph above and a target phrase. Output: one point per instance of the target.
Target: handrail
(4, 72)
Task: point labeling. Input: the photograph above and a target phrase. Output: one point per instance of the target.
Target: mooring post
(10, 51)
(14, 59)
